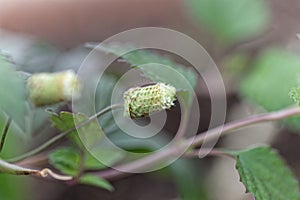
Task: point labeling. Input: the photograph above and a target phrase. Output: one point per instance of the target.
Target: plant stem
(63, 134)
(5, 131)
(147, 162)
(165, 155)
(40, 159)
(213, 152)
(235, 125)
(9, 168)
(6, 167)
(137, 165)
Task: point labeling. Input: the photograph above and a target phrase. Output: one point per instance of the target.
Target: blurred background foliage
(253, 42)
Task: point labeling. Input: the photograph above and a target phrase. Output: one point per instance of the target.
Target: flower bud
(295, 95)
(50, 88)
(141, 101)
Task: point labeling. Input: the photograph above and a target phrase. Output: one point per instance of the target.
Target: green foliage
(91, 134)
(65, 121)
(13, 187)
(90, 179)
(189, 179)
(12, 90)
(67, 160)
(162, 69)
(273, 75)
(91, 163)
(232, 21)
(264, 174)
(138, 58)
(62, 121)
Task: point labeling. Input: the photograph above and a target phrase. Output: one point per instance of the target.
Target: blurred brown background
(69, 23)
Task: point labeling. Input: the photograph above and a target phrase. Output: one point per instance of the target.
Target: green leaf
(232, 21)
(90, 179)
(8, 183)
(65, 121)
(91, 133)
(269, 82)
(189, 179)
(12, 90)
(265, 175)
(67, 160)
(91, 136)
(91, 163)
(162, 68)
(62, 121)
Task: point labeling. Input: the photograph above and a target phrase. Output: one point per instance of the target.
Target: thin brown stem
(209, 152)
(235, 125)
(81, 165)
(114, 174)
(36, 160)
(147, 162)
(142, 164)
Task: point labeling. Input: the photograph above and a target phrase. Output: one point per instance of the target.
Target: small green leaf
(232, 21)
(91, 163)
(67, 160)
(91, 133)
(91, 136)
(265, 175)
(12, 90)
(269, 82)
(63, 122)
(90, 179)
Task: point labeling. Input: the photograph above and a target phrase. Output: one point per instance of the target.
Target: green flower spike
(141, 101)
(50, 88)
(295, 95)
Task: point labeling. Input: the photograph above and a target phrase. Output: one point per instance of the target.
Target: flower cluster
(141, 101)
